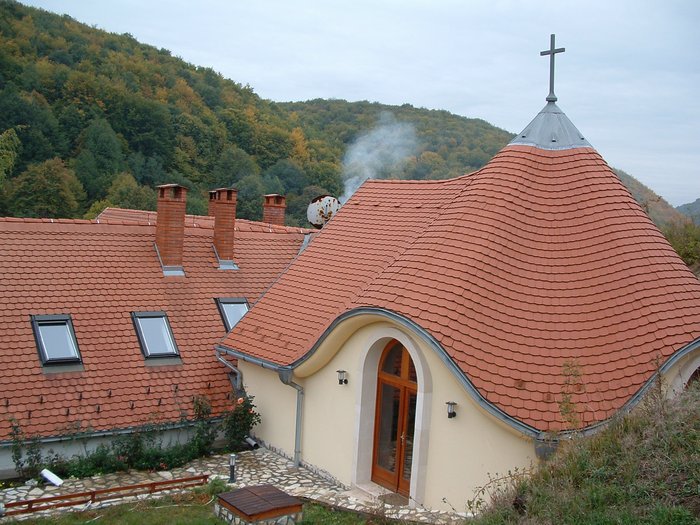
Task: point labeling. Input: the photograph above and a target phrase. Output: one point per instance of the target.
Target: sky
(629, 79)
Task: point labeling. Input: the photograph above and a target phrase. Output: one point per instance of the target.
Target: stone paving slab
(254, 467)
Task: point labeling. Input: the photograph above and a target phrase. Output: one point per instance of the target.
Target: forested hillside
(94, 119)
(100, 117)
(660, 211)
(90, 119)
(692, 210)
(447, 145)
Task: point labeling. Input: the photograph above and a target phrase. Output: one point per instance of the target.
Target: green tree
(100, 158)
(325, 174)
(9, 150)
(250, 197)
(684, 236)
(48, 189)
(233, 165)
(147, 170)
(270, 144)
(290, 175)
(125, 192)
(37, 127)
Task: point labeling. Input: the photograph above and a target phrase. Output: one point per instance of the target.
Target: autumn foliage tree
(47, 189)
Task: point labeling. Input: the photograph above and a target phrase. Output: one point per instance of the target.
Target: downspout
(237, 382)
(286, 377)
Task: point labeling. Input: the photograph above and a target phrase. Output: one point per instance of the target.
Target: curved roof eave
(516, 424)
(407, 323)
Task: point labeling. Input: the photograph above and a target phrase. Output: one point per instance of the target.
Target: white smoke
(378, 153)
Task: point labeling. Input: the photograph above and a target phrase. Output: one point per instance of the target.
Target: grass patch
(191, 508)
(315, 514)
(644, 468)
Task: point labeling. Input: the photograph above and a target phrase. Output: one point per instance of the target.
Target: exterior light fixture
(451, 409)
(232, 468)
(342, 377)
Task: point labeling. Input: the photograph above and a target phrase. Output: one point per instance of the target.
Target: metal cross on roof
(551, 52)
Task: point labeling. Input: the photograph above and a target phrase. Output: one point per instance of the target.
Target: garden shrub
(238, 422)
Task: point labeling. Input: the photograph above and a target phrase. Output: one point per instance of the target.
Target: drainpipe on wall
(237, 374)
(286, 377)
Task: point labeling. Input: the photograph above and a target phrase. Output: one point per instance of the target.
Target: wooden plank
(78, 498)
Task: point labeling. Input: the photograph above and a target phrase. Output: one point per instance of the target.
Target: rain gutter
(439, 350)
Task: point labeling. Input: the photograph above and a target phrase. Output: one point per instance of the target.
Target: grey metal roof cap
(551, 129)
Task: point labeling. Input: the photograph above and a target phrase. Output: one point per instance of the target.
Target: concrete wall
(451, 458)
(70, 447)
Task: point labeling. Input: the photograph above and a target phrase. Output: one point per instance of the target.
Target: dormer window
(155, 336)
(232, 310)
(55, 339)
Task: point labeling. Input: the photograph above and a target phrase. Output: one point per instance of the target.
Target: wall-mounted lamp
(232, 468)
(342, 377)
(451, 409)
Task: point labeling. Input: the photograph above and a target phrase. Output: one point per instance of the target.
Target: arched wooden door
(395, 419)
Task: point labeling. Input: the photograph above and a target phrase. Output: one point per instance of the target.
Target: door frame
(375, 338)
(394, 481)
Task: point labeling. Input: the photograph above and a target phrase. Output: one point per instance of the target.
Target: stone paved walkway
(254, 467)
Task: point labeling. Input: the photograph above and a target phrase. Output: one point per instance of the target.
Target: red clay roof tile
(538, 259)
(99, 272)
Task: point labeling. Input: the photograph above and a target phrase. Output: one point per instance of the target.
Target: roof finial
(551, 52)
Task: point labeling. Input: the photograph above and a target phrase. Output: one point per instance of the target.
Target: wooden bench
(260, 505)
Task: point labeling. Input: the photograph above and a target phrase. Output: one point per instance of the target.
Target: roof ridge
(198, 221)
(48, 220)
(422, 181)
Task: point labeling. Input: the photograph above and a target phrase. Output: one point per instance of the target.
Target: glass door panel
(407, 441)
(389, 412)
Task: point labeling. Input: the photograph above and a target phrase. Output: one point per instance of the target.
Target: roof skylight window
(155, 336)
(55, 339)
(232, 310)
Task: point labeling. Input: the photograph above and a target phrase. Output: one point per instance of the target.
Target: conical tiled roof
(534, 270)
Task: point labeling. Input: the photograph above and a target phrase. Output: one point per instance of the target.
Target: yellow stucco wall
(452, 457)
(276, 404)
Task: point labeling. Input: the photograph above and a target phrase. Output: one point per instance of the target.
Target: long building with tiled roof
(98, 335)
(534, 297)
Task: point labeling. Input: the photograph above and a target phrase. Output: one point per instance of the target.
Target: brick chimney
(223, 204)
(170, 227)
(274, 208)
(212, 202)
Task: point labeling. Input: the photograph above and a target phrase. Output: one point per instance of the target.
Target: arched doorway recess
(395, 419)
